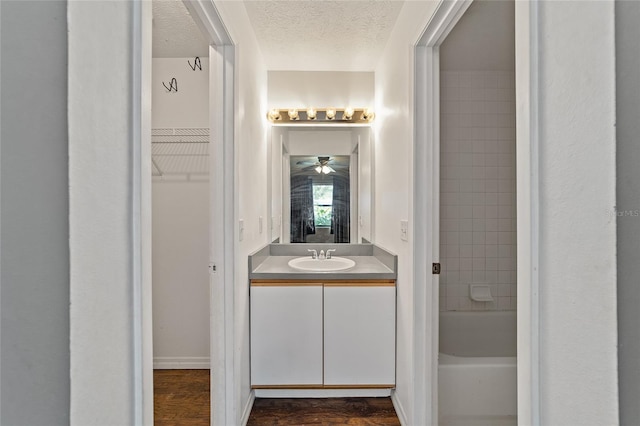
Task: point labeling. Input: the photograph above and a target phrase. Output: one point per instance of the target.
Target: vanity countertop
(372, 263)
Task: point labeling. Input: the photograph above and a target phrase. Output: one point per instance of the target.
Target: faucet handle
(329, 253)
(314, 253)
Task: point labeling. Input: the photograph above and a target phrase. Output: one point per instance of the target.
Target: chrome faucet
(321, 256)
(329, 253)
(314, 254)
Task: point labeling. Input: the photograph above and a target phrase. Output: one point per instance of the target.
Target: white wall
(320, 142)
(250, 181)
(277, 169)
(366, 185)
(393, 174)
(100, 213)
(180, 274)
(180, 234)
(34, 355)
(189, 106)
(577, 273)
(320, 89)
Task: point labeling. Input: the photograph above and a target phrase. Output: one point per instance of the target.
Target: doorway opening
(220, 217)
(180, 214)
(477, 377)
(427, 163)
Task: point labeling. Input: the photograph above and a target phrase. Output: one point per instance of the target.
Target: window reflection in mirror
(320, 199)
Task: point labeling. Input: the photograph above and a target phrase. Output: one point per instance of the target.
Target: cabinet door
(359, 335)
(286, 335)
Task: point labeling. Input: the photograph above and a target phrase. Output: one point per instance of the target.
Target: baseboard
(181, 363)
(321, 393)
(247, 408)
(402, 416)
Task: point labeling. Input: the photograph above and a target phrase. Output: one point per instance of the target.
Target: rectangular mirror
(320, 199)
(321, 184)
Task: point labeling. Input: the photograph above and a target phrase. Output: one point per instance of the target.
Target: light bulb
(274, 115)
(311, 114)
(331, 113)
(348, 113)
(319, 169)
(326, 170)
(368, 115)
(293, 114)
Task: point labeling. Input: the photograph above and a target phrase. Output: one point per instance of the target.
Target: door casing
(427, 203)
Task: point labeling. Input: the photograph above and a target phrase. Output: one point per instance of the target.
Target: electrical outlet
(404, 230)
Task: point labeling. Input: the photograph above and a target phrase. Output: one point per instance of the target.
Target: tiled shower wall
(477, 189)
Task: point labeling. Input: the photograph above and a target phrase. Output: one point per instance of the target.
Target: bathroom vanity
(322, 332)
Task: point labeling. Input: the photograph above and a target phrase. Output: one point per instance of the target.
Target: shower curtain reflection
(302, 217)
(341, 212)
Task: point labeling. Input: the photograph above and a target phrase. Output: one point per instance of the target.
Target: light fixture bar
(320, 115)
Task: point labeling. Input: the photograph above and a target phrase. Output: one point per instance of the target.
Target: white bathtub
(477, 376)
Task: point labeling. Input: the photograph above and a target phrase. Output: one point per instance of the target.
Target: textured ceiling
(300, 35)
(175, 35)
(319, 35)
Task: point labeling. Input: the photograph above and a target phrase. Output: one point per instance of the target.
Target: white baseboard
(247, 408)
(321, 393)
(178, 363)
(402, 416)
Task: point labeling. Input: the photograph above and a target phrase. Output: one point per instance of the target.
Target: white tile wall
(478, 188)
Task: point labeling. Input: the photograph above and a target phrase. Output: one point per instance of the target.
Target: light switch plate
(404, 230)
(241, 229)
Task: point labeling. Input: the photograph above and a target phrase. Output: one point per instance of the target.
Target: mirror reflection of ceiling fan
(322, 166)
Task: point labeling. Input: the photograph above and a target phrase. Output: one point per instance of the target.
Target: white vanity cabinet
(286, 334)
(323, 335)
(359, 334)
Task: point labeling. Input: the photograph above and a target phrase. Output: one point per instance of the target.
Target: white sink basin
(321, 265)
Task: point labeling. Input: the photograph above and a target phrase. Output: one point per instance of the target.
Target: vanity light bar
(320, 115)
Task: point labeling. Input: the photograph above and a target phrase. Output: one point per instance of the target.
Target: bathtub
(477, 375)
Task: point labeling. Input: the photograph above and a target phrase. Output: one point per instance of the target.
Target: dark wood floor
(181, 398)
(323, 411)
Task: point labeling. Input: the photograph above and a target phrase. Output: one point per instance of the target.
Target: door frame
(141, 229)
(222, 211)
(426, 177)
